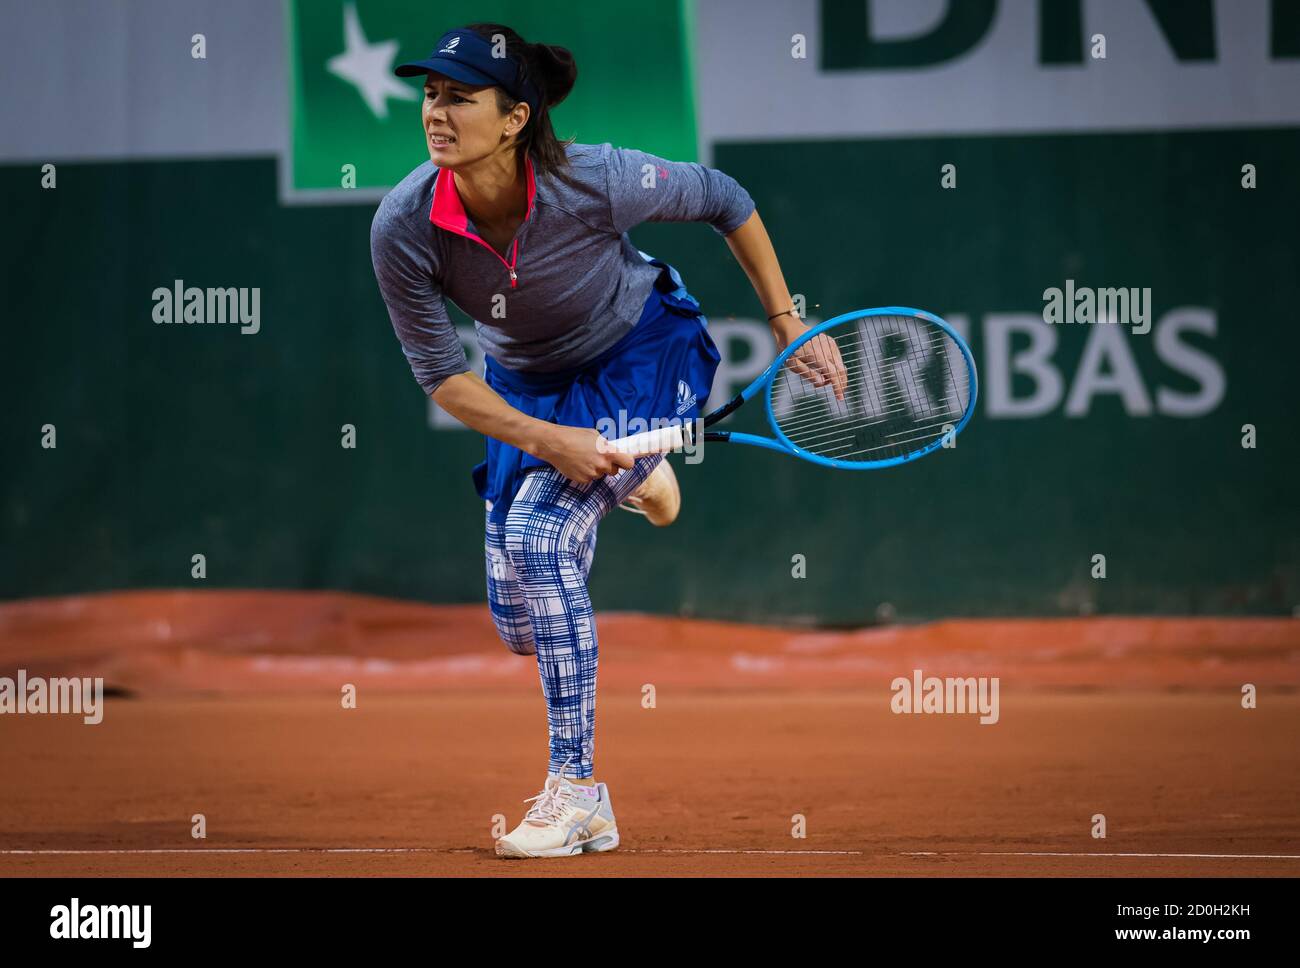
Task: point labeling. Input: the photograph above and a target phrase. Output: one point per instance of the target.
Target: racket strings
(833, 432)
(902, 392)
(894, 402)
(886, 406)
(857, 385)
(875, 438)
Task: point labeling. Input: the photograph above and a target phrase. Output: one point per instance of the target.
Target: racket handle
(661, 440)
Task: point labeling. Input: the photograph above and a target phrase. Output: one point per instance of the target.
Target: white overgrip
(661, 440)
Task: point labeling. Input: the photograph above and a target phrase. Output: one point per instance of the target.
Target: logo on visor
(685, 399)
(451, 46)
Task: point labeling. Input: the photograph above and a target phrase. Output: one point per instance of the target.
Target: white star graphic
(368, 66)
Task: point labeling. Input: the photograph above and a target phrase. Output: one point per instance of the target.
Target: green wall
(175, 440)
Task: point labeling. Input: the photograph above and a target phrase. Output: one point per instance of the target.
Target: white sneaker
(567, 819)
(659, 497)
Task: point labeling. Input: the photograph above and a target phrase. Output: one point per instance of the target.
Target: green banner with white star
(634, 88)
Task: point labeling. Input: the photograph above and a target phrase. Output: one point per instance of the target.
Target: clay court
(228, 704)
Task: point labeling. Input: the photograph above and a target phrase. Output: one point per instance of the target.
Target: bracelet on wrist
(790, 311)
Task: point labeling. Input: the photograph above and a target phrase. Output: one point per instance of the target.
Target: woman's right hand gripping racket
(869, 389)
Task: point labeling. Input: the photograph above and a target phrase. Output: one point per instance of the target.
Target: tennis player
(528, 236)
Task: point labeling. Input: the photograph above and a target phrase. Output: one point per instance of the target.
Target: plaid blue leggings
(537, 567)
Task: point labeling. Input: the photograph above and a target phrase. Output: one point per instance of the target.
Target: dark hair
(553, 71)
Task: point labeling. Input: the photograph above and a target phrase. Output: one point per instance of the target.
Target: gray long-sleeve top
(569, 286)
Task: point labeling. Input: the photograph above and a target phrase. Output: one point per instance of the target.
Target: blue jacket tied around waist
(661, 370)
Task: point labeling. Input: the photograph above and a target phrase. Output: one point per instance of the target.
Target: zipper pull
(513, 277)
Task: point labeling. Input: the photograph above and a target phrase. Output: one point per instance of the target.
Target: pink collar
(448, 210)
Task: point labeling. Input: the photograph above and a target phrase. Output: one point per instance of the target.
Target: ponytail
(553, 71)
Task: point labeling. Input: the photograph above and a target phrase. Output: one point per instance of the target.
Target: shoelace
(551, 802)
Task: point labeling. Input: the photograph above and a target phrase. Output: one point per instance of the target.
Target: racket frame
(767, 380)
(662, 440)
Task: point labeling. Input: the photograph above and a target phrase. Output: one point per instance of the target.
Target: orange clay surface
(227, 704)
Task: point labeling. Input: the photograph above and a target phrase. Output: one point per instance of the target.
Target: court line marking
(256, 850)
(634, 850)
(385, 850)
(665, 850)
(1088, 853)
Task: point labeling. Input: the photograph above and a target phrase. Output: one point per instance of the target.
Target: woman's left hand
(818, 360)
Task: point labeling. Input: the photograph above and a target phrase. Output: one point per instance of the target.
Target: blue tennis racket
(869, 389)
